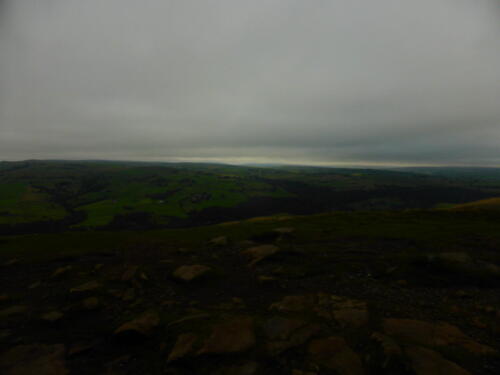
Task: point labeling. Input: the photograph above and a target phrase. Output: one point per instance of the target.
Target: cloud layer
(345, 81)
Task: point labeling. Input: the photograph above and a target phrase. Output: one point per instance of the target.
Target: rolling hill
(58, 195)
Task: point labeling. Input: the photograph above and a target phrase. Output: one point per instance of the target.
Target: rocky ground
(268, 304)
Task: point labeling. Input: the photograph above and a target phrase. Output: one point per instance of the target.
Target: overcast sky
(297, 81)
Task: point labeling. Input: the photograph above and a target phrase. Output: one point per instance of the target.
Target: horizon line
(259, 163)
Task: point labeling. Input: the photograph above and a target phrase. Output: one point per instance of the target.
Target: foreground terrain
(413, 292)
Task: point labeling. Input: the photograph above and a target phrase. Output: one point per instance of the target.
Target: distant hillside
(490, 204)
(474, 176)
(57, 195)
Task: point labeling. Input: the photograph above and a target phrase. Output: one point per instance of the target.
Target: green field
(175, 196)
(20, 202)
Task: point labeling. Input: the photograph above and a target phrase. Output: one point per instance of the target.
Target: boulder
(263, 279)
(129, 273)
(428, 362)
(184, 346)
(451, 257)
(259, 253)
(439, 334)
(280, 328)
(218, 241)
(11, 262)
(285, 333)
(143, 325)
(128, 295)
(463, 265)
(351, 317)
(347, 312)
(391, 350)
(61, 272)
(86, 287)
(191, 273)
(334, 354)
(82, 347)
(234, 304)
(35, 285)
(294, 303)
(91, 303)
(98, 267)
(53, 316)
(233, 336)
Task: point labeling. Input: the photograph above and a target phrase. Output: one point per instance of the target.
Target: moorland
(181, 268)
(62, 195)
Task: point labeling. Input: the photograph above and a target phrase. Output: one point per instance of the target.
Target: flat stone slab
(234, 336)
(439, 334)
(259, 253)
(191, 273)
(428, 362)
(87, 287)
(334, 354)
(143, 325)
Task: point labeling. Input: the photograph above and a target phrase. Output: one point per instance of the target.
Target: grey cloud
(272, 80)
